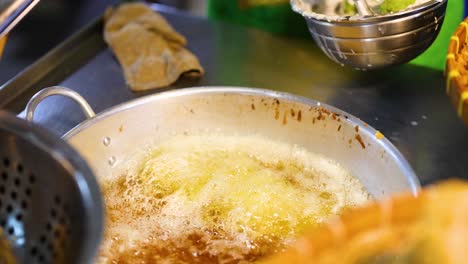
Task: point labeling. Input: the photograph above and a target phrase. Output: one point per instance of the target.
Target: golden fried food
(217, 199)
(456, 70)
(151, 53)
(431, 228)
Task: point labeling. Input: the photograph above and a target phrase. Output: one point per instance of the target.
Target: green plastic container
(279, 18)
(434, 56)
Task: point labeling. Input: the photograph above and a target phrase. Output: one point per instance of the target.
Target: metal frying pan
(113, 136)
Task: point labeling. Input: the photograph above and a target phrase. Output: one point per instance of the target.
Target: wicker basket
(456, 70)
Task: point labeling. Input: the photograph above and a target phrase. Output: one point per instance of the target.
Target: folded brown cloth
(151, 53)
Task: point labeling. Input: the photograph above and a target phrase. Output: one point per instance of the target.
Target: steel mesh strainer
(50, 206)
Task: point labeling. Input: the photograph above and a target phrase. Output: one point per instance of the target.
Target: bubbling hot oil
(220, 199)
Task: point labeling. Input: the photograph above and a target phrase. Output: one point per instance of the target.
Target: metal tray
(84, 56)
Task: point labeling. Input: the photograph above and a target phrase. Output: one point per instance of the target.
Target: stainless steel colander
(376, 41)
(50, 205)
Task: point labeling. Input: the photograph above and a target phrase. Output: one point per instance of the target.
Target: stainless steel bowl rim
(348, 20)
(381, 38)
(384, 52)
(386, 144)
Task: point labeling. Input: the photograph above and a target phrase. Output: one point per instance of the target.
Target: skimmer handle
(57, 90)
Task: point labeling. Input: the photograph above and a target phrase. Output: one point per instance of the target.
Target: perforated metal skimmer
(50, 205)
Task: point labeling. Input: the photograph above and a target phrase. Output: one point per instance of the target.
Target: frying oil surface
(220, 199)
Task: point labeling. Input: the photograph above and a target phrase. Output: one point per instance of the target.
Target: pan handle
(57, 90)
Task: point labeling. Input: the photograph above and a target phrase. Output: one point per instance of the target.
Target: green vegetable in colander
(392, 6)
(349, 8)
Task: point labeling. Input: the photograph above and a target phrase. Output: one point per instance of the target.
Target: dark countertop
(407, 103)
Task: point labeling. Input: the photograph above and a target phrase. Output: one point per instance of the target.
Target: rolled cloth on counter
(151, 53)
